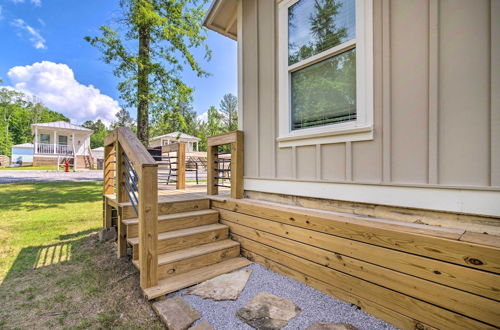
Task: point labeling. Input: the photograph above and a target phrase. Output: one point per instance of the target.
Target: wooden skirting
(412, 276)
(474, 223)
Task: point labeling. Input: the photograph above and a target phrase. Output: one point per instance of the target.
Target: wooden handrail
(126, 145)
(235, 139)
(180, 149)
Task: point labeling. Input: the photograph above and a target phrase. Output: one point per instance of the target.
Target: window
(325, 71)
(44, 138)
(62, 140)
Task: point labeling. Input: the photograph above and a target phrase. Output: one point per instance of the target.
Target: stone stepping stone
(331, 326)
(223, 287)
(267, 311)
(176, 313)
(203, 325)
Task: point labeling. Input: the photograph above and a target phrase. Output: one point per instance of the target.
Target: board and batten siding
(436, 100)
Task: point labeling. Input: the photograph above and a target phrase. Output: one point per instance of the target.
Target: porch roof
(175, 136)
(63, 125)
(222, 18)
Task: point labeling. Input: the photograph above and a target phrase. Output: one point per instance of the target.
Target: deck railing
(131, 173)
(59, 149)
(217, 159)
(176, 164)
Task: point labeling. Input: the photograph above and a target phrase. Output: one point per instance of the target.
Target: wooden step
(169, 207)
(184, 280)
(181, 261)
(185, 238)
(175, 221)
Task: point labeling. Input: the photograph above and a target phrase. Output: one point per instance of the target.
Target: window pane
(317, 25)
(45, 138)
(63, 140)
(324, 93)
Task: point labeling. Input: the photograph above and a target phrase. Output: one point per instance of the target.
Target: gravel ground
(48, 176)
(316, 306)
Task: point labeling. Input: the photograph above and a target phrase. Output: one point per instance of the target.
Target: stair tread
(193, 277)
(135, 221)
(182, 232)
(195, 251)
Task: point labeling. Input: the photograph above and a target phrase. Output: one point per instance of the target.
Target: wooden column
(108, 182)
(212, 189)
(121, 197)
(55, 142)
(148, 231)
(181, 167)
(237, 166)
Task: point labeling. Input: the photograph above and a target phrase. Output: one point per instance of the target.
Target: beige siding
(436, 103)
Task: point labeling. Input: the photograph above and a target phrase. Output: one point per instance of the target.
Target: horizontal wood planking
(193, 277)
(182, 266)
(453, 299)
(398, 302)
(175, 206)
(222, 139)
(467, 279)
(169, 243)
(366, 230)
(176, 221)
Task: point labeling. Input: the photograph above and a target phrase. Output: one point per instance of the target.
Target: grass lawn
(54, 273)
(29, 168)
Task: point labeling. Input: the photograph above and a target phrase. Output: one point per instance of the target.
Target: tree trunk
(143, 86)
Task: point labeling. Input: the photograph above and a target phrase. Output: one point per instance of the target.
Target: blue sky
(33, 31)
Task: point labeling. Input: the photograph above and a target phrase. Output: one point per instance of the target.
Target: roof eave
(216, 9)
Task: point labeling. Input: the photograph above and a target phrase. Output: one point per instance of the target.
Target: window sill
(322, 136)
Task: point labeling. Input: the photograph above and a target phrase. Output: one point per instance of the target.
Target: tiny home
(22, 153)
(366, 164)
(58, 141)
(176, 137)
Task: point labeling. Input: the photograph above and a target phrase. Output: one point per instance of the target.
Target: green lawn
(54, 273)
(29, 168)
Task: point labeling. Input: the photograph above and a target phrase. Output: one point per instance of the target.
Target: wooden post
(121, 197)
(212, 189)
(108, 182)
(237, 166)
(148, 231)
(181, 167)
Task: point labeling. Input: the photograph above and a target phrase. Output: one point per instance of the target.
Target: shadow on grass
(34, 196)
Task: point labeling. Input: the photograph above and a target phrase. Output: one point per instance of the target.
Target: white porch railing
(60, 149)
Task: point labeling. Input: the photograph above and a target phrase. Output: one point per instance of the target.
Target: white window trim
(362, 127)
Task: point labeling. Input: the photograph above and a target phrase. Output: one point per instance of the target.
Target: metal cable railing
(130, 183)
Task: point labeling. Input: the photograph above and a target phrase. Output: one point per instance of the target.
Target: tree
(123, 119)
(17, 113)
(100, 132)
(163, 32)
(229, 109)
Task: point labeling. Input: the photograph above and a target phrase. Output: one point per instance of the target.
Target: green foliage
(100, 132)
(149, 49)
(17, 113)
(229, 110)
(123, 119)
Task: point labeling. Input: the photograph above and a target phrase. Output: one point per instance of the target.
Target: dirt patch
(89, 289)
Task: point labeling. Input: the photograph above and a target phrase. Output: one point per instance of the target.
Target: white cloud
(203, 117)
(57, 88)
(33, 35)
(41, 21)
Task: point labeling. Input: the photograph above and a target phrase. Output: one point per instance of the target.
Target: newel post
(148, 231)
(237, 189)
(181, 167)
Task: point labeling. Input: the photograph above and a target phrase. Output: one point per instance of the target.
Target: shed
(175, 137)
(22, 153)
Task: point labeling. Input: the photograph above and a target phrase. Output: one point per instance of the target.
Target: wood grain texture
(470, 280)
(458, 301)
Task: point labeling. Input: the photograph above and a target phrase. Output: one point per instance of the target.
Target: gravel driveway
(48, 176)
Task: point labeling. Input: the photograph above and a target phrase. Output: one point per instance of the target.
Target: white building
(162, 140)
(60, 140)
(22, 153)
